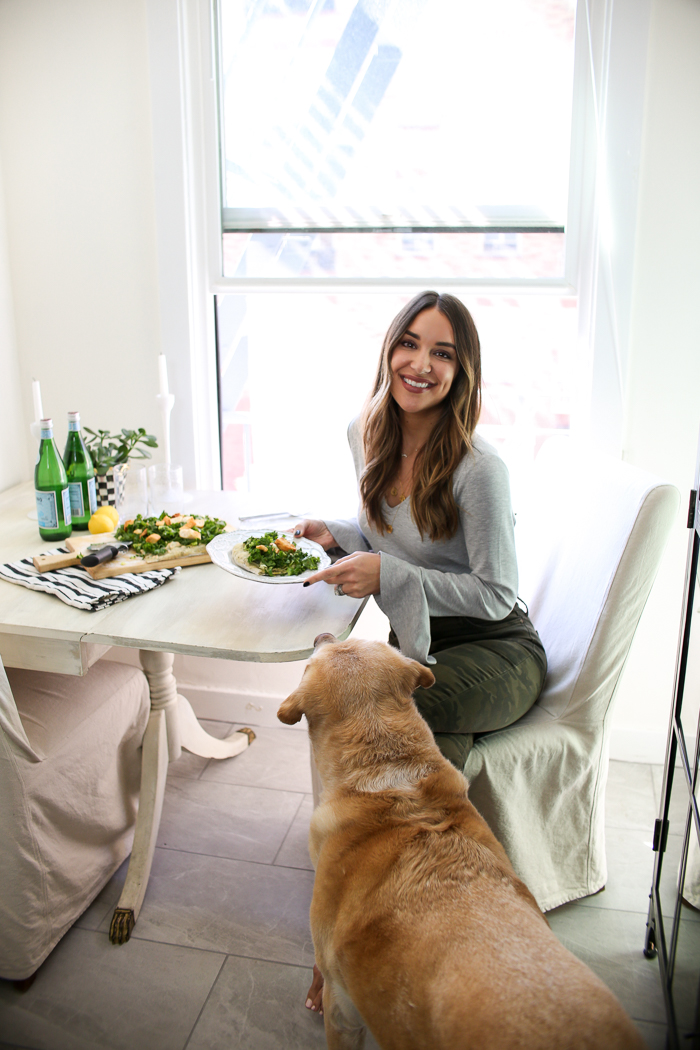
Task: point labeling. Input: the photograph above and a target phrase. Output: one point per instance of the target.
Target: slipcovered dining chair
(589, 541)
(70, 766)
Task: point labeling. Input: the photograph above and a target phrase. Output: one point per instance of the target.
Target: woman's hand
(317, 531)
(358, 574)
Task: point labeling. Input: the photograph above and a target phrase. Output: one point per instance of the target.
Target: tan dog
(421, 928)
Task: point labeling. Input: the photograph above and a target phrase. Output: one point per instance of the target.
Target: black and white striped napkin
(75, 586)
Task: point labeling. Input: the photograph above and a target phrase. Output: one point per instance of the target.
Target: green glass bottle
(81, 474)
(51, 486)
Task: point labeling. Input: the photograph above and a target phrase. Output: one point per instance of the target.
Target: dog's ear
(423, 676)
(291, 709)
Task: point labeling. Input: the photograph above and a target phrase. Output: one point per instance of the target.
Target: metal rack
(673, 923)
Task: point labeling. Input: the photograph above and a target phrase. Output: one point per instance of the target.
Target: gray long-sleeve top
(474, 573)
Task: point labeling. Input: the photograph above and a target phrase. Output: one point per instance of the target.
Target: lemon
(111, 512)
(100, 522)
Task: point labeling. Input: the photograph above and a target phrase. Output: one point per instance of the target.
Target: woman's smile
(416, 384)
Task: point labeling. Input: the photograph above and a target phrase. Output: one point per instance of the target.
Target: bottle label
(65, 494)
(92, 495)
(77, 506)
(47, 510)
(47, 433)
(73, 424)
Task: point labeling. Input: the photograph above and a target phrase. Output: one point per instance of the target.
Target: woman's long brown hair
(433, 505)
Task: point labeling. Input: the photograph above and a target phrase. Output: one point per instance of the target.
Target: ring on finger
(338, 589)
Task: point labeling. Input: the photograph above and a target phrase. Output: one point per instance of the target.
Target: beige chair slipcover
(70, 766)
(589, 544)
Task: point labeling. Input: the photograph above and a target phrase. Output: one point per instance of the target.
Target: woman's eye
(407, 342)
(445, 354)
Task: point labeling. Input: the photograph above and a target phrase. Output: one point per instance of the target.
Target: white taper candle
(163, 374)
(36, 393)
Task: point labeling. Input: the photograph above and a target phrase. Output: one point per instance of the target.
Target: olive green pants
(487, 675)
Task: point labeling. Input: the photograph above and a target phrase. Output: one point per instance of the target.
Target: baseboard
(637, 745)
(220, 705)
(260, 709)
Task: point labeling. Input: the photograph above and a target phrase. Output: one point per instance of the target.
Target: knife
(101, 551)
(279, 516)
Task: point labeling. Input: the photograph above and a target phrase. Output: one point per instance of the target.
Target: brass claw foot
(123, 922)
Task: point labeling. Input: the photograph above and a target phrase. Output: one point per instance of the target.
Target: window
(368, 151)
(584, 271)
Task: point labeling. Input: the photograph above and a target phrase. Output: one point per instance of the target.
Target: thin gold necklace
(396, 509)
(394, 490)
(403, 496)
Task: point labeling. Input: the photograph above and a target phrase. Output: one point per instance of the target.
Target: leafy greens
(264, 552)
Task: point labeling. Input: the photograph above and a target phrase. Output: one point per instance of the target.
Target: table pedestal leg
(158, 668)
(172, 725)
(154, 768)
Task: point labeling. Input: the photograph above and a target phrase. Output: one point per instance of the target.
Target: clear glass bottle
(81, 474)
(51, 487)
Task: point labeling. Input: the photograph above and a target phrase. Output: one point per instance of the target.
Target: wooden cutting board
(123, 563)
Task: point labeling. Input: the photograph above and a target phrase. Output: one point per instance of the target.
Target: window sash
(332, 215)
(242, 220)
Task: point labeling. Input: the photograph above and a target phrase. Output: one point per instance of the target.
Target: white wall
(75, 146)
(663, 394)
(76, 150)
(13, 423)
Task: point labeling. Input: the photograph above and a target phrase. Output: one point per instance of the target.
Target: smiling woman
(433, 540)
(426, 401)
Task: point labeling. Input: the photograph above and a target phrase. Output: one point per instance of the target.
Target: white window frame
(608, 102)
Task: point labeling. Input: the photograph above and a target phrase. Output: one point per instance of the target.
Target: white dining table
(202, 611)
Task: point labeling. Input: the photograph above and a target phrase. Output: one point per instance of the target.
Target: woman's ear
(291, 709)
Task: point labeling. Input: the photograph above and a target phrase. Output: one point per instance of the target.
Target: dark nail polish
(305, 583)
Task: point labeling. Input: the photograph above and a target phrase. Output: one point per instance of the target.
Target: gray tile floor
(221, 954)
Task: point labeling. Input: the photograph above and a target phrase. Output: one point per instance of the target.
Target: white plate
(219, 550)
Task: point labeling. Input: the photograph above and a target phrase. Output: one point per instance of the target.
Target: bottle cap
(74, 417)
(47, 424)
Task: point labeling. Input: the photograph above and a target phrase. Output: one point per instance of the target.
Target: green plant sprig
(107, 450)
